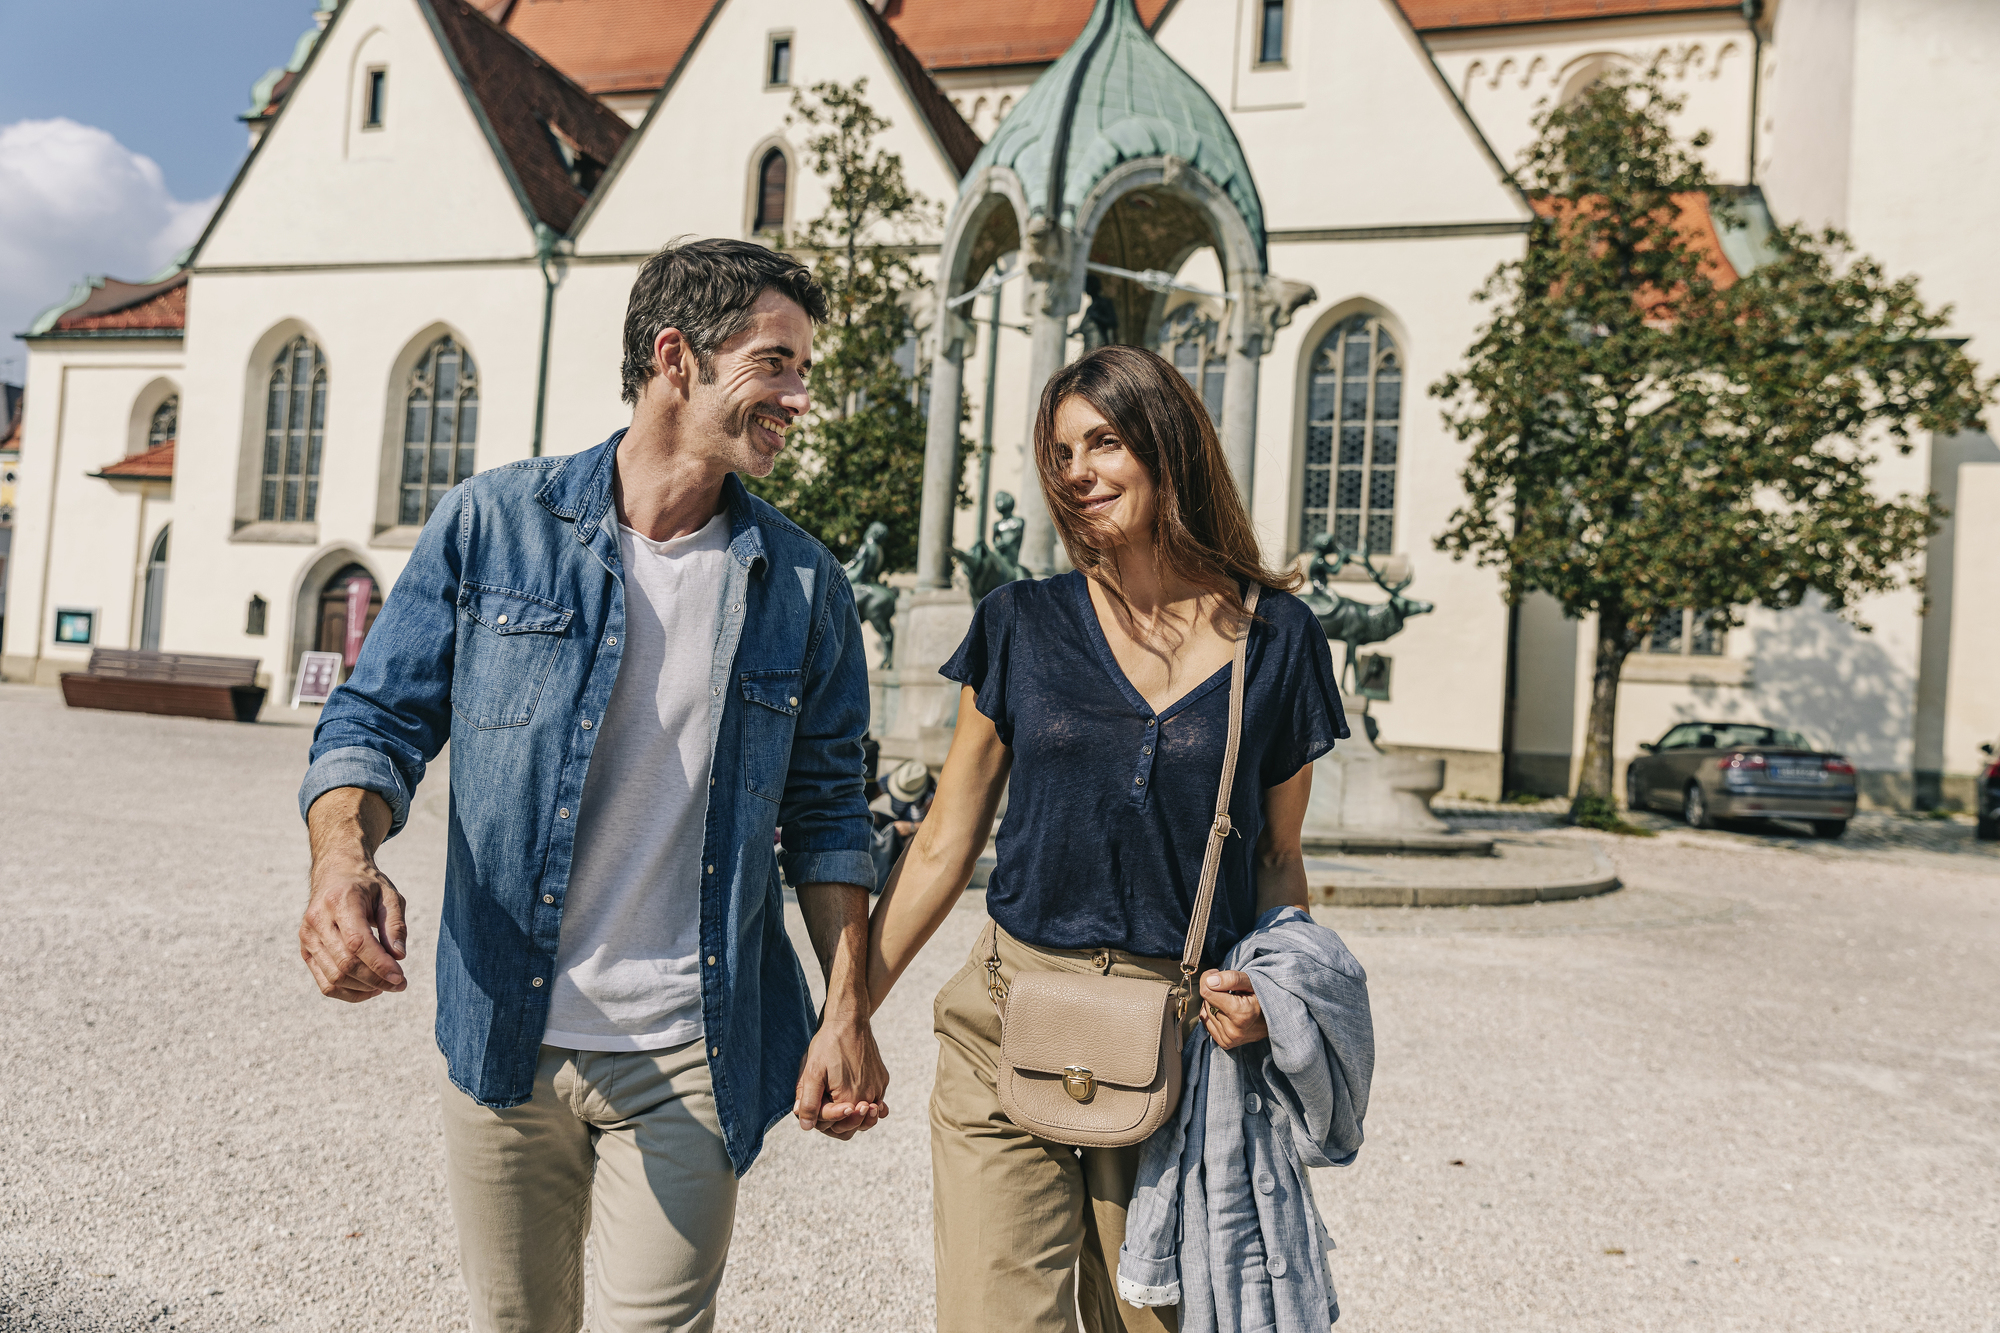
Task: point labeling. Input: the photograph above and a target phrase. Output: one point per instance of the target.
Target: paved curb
(1406, 844)
(1458, 895)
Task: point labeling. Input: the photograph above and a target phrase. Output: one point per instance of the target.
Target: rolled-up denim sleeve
(380, 730)
(828, 837)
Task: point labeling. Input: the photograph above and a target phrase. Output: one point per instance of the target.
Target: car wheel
(1829, 828)
(1989, 829)
(1635, 798)
(1694, 807)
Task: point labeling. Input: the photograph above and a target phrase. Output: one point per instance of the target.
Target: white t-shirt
(628, 970)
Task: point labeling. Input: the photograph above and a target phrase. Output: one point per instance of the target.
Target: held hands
(353, 936)
(843, 1079)
(1230, 1011)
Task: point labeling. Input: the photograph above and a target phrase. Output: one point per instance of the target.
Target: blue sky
(136, 79)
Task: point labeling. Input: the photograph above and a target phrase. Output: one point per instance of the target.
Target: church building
(420, 272)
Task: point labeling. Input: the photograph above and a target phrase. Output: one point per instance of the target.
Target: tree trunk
(1613, 646)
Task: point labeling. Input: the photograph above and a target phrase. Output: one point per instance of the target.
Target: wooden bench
(176, 684)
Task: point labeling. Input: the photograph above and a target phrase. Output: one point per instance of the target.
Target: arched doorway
(331, 634)
(154, 606)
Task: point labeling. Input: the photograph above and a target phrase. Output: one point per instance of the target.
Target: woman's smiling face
(1113, 486)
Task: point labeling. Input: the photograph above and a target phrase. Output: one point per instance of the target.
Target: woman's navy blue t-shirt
(1110, 803)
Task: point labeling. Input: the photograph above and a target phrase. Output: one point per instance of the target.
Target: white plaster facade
(1378, 157)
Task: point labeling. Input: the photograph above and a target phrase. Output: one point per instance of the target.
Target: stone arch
(256, 387)
(753, 188)
(144, 404)
(307, 588)
(1580, 73)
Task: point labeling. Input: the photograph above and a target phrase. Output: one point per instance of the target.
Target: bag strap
(1219, 830)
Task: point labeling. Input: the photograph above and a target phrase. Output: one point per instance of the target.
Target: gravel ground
(1758, 1088)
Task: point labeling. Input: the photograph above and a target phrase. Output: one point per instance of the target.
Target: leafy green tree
(1648, 436)
(858, 458)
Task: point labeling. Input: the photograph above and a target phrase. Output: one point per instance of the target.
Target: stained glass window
(294, 432)
(440, 428)
(1353, 423)
(1191, 339)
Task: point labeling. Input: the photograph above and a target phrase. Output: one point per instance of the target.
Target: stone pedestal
(915, 707)
(1364, 800)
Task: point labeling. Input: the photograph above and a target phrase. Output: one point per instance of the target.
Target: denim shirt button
(793, 701)
(611, 642)
(711, 870)
(711, 960)
(586, 724)
(715, 1050)
(548, 897)
(1276, 1266)
(536, 982)
(563, 813)
(1253, 1103)
(1264, 1182)
(716, 690)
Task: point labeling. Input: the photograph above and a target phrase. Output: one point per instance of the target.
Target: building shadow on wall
(1818, 675)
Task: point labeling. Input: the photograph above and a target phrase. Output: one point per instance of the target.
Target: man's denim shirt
(503, 636)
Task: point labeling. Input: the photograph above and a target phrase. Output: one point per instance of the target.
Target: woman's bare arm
(935, 868)
(1281, 864)
(1230, 1008)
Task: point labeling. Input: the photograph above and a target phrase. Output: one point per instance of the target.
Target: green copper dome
(1112, 97)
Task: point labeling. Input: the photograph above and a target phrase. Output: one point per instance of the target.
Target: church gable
(1352, 126)
(698, 162)
(379, 154)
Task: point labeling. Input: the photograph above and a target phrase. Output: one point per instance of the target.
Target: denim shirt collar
(580, 489)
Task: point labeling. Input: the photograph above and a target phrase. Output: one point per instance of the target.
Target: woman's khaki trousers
(1027, 1230)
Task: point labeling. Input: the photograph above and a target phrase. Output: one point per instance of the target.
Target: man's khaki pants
(1027, 1230)
(624, 1146)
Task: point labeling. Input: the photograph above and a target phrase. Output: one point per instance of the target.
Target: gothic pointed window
(165, 426)
(771, 176)
(1192, 340)
(294, 433)
(440, 428)
(1353, 422)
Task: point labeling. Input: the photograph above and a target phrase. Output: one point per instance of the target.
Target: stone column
(1051, 298)
(941, 455)
(1239, 396)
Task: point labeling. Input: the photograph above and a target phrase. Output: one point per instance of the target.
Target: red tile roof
(155, 464)
(114, 307)
(958, 139)
(970, 34)
(1444, 15)
(531, 108)
(607, 46)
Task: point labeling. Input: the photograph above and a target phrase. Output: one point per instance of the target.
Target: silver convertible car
(1741, 770)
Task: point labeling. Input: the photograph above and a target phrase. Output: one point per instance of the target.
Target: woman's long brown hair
(1201, 531)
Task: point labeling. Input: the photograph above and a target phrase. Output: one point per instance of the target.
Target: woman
(1105, 693)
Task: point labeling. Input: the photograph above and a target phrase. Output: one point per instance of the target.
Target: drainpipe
(1752, 11)
(545, 250)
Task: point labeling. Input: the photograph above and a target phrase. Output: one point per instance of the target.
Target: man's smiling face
(756, 389)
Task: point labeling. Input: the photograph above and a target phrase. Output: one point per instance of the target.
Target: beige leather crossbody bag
(1095, 1061)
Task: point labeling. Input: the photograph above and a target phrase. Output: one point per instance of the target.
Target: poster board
(317, 675)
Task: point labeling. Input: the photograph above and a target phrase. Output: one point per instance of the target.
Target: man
(642, 671)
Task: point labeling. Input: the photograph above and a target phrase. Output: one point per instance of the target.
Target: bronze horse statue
(874, 602)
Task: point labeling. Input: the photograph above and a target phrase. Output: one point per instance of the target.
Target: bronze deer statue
(1356, 623)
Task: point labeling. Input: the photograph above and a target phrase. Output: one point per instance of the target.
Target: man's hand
(842, 1079)
(352, 936)
(1230, 1011)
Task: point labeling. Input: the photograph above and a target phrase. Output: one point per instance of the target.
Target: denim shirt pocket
(768, 722)
(507, 641)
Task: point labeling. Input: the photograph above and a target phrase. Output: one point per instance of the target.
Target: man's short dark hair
(705, 289)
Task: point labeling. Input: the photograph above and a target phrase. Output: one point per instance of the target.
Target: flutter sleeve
(1312, 689)
(981, 661)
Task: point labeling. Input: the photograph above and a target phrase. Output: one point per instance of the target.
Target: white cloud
(75, 201)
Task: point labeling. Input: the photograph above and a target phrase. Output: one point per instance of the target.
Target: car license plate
(1797, 770)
